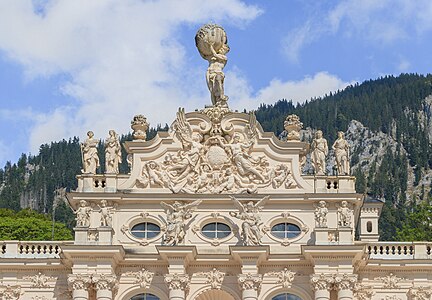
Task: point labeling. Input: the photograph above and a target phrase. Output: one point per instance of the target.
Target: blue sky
(71, 66)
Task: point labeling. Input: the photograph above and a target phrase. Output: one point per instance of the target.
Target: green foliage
(29, 225)
(418, 224)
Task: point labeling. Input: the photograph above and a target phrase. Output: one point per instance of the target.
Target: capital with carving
(420, 293)
(79, 282)
(322, 282)
(10, 292)
(104, 282)
(250, 281)
(345, 282)
(177, 281)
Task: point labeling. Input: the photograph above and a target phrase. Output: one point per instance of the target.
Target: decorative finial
(293, 126)
(211, 41)
(139, 126)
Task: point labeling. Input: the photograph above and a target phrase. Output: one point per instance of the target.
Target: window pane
(285, 230)
(210, 234)
(209, 227)
(152, 227)
(286, 297)
(223, 234)
(292, 227)
(139, 226)
(279, 227)
(152, 234)
(223, 227)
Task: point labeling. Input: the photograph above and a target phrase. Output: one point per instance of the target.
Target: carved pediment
(215, 151)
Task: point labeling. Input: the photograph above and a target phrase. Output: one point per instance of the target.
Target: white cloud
(122, 58)
(298, 91)
(383, 22)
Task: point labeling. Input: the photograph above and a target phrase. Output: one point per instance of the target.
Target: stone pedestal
(81, 235)
(345, 235)
(105, 235)
(321, 235)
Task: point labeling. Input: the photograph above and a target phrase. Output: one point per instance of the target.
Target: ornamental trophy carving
(211, 41)
(139, 126)
(177, 214)
(249, 214)
(292, 127)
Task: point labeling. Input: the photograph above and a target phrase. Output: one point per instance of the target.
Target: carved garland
(143, 277)
(285, 277)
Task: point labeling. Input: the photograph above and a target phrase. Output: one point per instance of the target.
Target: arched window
(144, 297)
(145, 230)
(286, 296)
(285, 230)
(216, 230)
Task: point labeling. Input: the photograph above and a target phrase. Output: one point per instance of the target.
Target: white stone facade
(217, 209)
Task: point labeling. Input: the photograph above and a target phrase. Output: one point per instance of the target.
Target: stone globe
(207, 35)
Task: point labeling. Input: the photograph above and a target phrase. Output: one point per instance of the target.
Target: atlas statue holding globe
(211, 41)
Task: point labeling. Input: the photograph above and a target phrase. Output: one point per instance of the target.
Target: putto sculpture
(105, 214)
(89, 154)
(249, 214)
(211, 41)
(321, 212)
(319, 152)
(83, 214)
(341, 151)
(177, 214)
(112, 153)
(344, 215)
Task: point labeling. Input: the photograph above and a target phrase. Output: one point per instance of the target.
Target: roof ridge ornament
(212, 43)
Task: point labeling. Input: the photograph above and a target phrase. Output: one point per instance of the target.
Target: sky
(67, 67)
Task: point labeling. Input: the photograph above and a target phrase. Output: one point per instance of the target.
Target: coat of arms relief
(217, 155)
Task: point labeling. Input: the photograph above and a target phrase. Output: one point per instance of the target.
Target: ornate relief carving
(214, 159)
(390, 281)
(249, 214)
(177, 281)
(345, 281)
(9, 292)
(250, 281)
(393, 297)
(322, 282)
(319, 152)
(79, 282)
(143, 277)
(344, 215)
(39, 280)
(362, 292)
(104, 282)
(139, 126)
(292, 127)
(321, 212)
(420, 293)
(285, 277)
(177, 214)
(214, 278)
(83, 214)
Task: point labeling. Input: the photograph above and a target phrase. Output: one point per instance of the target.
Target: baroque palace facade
(218, 209)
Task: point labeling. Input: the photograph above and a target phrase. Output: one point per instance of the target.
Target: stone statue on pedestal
(112, 153)
(341, 151)
(83, 214)
(319, 153)
(211, 41)
(89, 154)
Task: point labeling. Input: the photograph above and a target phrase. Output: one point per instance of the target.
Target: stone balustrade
(107, 183)
(399, 250)
(31, 249)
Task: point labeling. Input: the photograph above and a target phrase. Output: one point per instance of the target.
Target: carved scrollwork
(390, 281)
(322, 282)
(345, 281)
(420, 293)
(250, 281)
(214, 277)
(39, 280)
(9, 292)
(363, 292)
(143, 277)
(104, 282)
(79, 282)
(177, 281)
(285, 277)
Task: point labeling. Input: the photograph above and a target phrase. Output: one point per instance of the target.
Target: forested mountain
(387, 121)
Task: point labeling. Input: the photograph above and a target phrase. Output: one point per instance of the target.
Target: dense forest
(393, 105)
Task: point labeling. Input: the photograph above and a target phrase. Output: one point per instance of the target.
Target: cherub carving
(83, 214)
(249, 214)
(344, 215)
(105, 211)
(177, 214)
(190, 157)
(321, 212)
